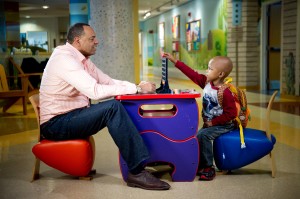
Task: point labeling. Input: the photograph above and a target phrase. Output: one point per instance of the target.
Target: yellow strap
(228, 80)
(243, 145)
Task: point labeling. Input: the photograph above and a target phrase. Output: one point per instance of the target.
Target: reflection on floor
(287, 107)
(18, 134)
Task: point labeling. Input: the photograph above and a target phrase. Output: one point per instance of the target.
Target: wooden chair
(268, 118)
(32, 90)
(228, 154)
(12, 96)
(74, 157)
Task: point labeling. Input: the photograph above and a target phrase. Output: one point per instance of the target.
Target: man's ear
(76, 40)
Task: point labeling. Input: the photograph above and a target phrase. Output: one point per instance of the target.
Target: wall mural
(161, 35)
(200, 40)
(176, 37)
(290, 74)
(193, 36)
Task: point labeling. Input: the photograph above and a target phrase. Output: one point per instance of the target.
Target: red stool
(73, 157)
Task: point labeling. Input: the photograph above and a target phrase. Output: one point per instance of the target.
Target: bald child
(217, 119)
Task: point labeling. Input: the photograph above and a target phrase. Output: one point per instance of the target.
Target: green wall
(213, 30)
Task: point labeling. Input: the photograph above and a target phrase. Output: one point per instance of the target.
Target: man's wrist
(138, 89)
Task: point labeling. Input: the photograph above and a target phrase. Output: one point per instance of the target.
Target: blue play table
(168, 124)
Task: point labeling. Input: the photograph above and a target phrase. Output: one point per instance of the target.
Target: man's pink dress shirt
(70, 79)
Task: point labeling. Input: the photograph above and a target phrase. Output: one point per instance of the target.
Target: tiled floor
(18, 134)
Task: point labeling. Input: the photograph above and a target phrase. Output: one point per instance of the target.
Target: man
(69, 80)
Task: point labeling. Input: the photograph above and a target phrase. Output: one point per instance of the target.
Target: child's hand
(170, 57)
(207, 124)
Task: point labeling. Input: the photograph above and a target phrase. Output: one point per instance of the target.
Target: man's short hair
(75, 31)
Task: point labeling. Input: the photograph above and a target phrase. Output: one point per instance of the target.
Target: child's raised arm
(169, 57)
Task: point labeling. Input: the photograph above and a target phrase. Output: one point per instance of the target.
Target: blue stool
(229, 155)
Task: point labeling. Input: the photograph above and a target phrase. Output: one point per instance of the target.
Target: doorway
(271, 47)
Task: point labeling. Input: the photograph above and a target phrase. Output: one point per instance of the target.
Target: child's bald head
(222, 64)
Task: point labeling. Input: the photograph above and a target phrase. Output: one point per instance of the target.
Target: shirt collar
(79, 55)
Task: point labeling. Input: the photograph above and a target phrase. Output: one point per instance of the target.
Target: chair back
(21, 73)
(35, 102)
(19, 69)
(3, 80)
(268, 114)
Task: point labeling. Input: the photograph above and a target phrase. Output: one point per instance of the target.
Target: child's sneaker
(199, 171)
(207, 174)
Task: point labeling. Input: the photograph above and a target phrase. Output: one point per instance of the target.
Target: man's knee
(116, 105)
(113, 106)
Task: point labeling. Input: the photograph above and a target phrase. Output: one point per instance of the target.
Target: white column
(112, 21)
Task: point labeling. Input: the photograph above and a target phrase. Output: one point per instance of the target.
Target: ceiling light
(27, 17)
(45, 7)
(148, 14)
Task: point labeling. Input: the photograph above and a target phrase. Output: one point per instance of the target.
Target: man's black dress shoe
(146, 180)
